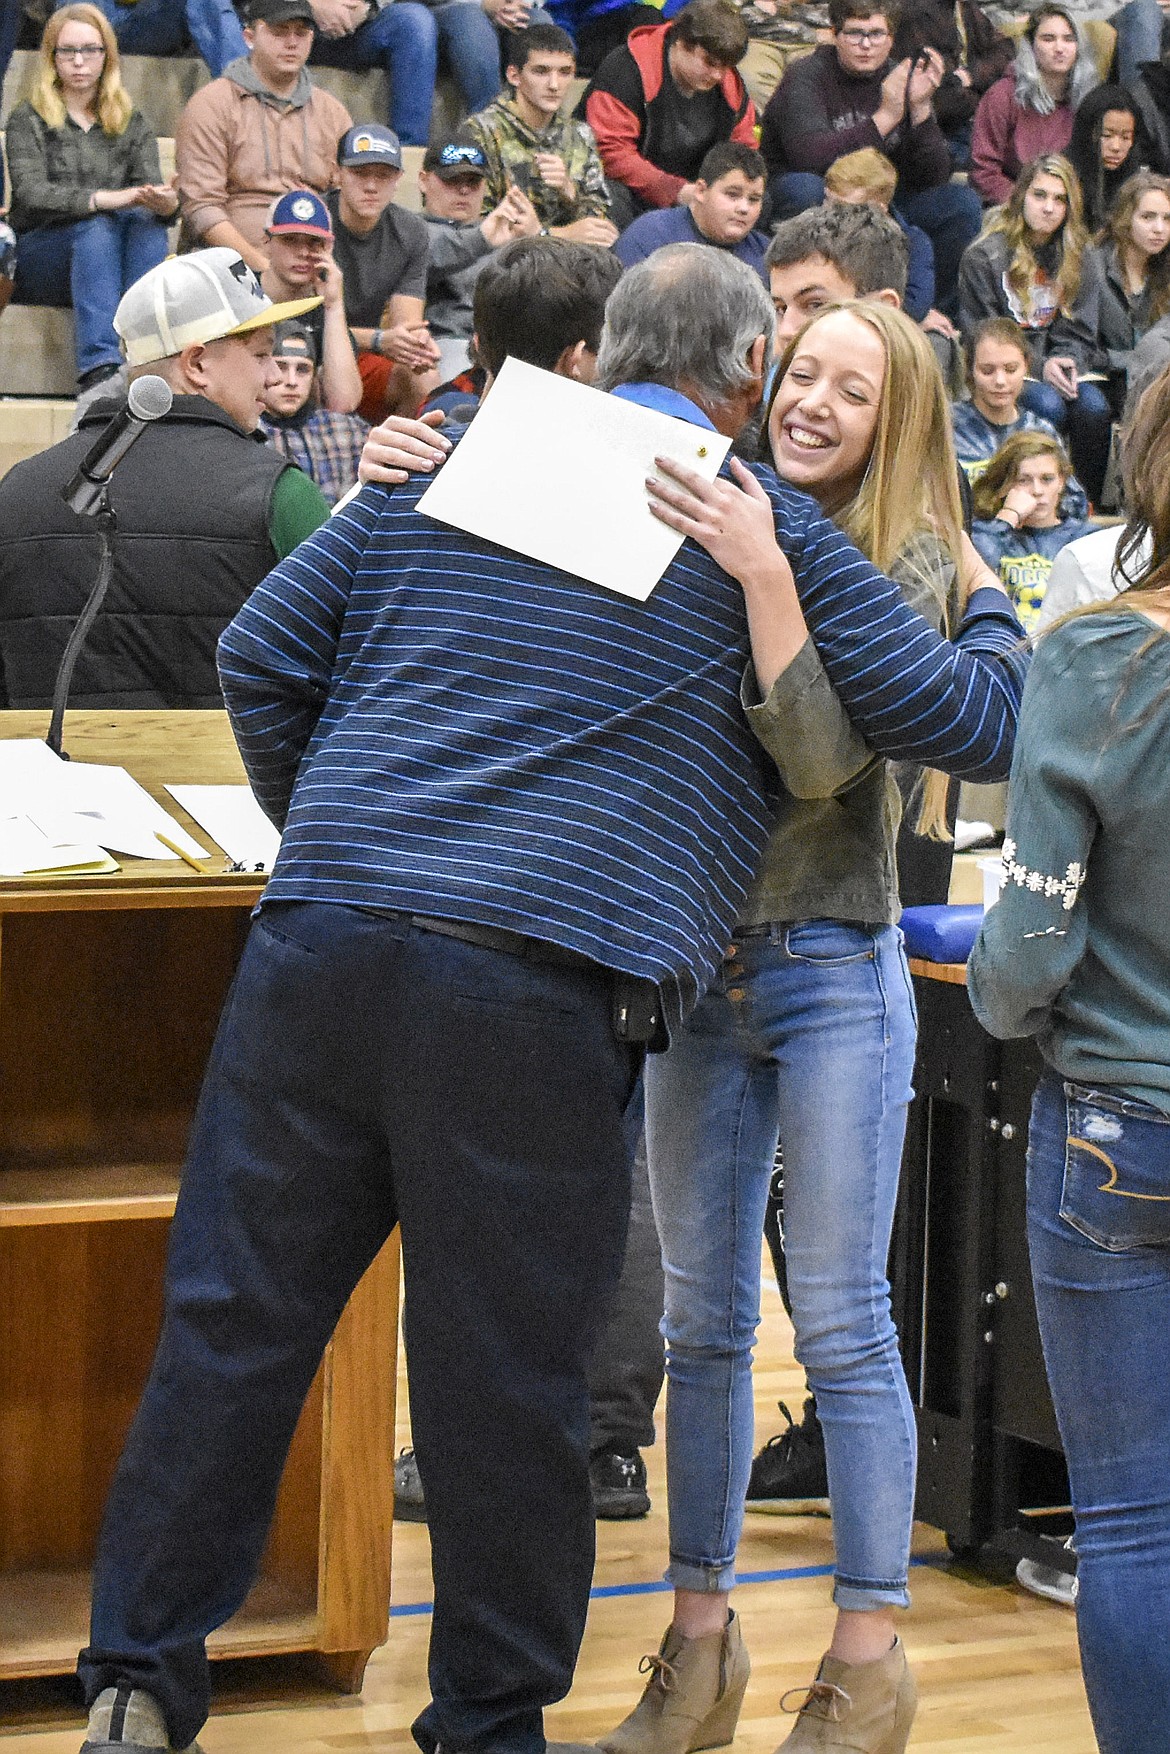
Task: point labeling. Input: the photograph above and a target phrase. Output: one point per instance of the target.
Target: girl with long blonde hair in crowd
(89, 206)
(1032, 263)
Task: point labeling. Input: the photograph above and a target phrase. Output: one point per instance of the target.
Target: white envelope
(557, 471)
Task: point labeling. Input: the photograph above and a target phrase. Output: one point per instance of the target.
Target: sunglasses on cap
(452, 155)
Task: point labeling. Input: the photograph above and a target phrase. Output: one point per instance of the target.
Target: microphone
(148, 399)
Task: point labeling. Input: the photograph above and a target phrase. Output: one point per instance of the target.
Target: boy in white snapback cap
(205, 508)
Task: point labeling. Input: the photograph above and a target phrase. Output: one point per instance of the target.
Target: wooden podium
(110, 991)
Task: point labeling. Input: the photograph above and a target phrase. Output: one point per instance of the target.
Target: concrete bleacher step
(31, 425)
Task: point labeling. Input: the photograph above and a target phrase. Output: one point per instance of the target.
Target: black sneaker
(619, 1485)
(788, 1476)
(409, 1504)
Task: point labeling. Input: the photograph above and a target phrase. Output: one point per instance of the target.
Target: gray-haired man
(439, 1022)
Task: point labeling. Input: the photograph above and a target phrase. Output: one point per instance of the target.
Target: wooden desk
(110, 992)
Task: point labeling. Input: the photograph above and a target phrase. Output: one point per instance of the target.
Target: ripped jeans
(1099, 1236)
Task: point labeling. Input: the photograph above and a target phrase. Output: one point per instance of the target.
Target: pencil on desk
(187, 858)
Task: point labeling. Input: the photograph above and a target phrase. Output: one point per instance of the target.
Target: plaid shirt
(510, 145)
(327, 446)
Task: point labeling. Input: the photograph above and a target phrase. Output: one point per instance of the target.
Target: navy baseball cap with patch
(370, 144)
(300, 210)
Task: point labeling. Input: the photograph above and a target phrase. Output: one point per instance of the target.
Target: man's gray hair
(686, 316)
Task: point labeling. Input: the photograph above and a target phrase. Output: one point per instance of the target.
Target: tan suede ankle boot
(692, 1699)
(856, 1708)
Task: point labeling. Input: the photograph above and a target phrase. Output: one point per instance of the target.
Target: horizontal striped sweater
(443, 727)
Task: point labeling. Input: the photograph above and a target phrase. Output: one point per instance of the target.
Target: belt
(511, 943)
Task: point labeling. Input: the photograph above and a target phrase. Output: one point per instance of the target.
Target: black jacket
(192, 501)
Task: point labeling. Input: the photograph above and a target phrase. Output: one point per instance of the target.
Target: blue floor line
(659, 1586)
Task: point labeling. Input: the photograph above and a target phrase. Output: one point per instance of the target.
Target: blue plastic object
(941, 934)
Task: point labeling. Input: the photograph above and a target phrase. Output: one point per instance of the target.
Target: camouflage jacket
(510, 146)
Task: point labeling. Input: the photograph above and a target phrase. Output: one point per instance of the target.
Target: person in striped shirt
(519, 816)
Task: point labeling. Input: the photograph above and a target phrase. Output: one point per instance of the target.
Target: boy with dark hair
(849, 94)
(659, 104)
(544, 304)
(830, 254)
(729, 193)
(325, 444)
(529, 144)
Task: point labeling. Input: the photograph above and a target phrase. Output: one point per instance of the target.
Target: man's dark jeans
(365, 1073)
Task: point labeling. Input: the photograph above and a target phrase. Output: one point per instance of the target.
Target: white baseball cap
(200, 297)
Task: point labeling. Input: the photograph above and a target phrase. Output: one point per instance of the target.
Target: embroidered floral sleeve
(1066, 887)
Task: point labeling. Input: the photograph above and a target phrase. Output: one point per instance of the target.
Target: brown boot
(692, 1699)
(856, 1708)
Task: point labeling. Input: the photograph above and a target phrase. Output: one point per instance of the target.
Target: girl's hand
(1061, 373)
(1020, 500)
(974, 572)
(400, 448)
(734, 523)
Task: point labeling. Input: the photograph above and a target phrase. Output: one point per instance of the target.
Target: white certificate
(557, 471)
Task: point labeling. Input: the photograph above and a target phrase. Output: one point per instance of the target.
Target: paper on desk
(557, 471)
(26, 852)
(233, 819)
(83, 802)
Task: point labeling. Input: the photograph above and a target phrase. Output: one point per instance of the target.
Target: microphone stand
(102, 514)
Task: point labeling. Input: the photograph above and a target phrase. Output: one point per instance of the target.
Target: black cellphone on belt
(637, 1009)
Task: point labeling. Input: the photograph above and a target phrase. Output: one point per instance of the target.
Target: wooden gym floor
(997, 1669)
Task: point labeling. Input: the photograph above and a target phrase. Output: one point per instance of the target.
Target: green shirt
(831, 852)
(510, 146)
(1077, 950)
(298, 507)
(54, 171)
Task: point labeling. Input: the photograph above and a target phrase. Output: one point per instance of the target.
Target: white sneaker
(1048, 1580)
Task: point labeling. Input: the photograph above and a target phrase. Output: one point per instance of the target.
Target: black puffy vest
(192, 502)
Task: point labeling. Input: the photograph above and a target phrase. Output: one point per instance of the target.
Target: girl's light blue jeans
(1099, 1238)
(807, 1036)
(89, 265)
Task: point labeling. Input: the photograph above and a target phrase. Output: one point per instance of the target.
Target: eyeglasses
(866, 36)
(91, 52)
(469, 155)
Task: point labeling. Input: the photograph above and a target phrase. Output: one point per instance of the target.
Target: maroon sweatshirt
(818, 112)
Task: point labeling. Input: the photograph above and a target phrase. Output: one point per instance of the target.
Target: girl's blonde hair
(1072, 234)
(113, 105)
(993, 486)
(911, 483)
(1129, 199)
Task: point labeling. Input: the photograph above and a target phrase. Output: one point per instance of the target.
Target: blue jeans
(365, 1074)
(950, 215)
(89, 264)
(806, 1035)
(1139, 37)
(403, 41)
(161, 27)
(1088, 422)
(1099, 1237)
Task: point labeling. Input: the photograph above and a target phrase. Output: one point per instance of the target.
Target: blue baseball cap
(300, 210)
(370, 143)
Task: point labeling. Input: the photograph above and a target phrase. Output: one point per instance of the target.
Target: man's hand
(591, 230)
(515, 217)
(400, 448)
(553, 170)
(924, 81)
(934, 323)
(892, 109)
(508, 14)
(686, 194)
(338, 18)
(1061, 372)
(963, 77)
(331, 283)
(410, 344)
